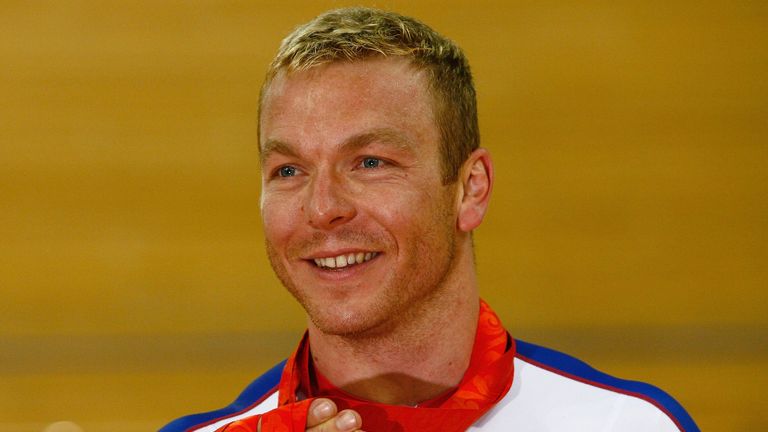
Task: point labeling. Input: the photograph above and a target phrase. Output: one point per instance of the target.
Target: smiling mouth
(345, 260)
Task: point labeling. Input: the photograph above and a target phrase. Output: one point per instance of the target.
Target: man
(373, 180)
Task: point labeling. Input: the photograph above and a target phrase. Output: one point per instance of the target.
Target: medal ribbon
(486, 381)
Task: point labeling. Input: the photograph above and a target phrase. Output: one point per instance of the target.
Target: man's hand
(323, 416)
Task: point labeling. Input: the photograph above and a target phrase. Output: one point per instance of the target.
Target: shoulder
(554, 389)
(260, 396)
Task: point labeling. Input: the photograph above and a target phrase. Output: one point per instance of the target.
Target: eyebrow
(276, 146)
(384, 135)
(355, 142)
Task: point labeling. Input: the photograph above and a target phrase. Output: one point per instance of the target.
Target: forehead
(342, 98)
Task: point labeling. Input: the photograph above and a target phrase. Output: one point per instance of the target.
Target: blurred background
(629, 224)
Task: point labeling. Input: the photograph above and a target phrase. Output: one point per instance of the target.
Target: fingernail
(323, 410)
(346, 421)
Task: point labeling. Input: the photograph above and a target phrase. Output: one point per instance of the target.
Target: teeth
(344, 260)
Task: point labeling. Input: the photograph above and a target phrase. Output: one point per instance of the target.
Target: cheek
(277, 218)
(413, 213)
(396, 208)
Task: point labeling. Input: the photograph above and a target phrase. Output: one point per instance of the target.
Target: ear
(476, 181)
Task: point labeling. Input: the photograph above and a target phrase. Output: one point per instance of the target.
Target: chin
(348, 322)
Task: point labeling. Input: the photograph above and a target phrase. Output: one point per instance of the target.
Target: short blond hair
(351, 34)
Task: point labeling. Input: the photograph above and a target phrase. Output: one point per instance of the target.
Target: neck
(418, 357)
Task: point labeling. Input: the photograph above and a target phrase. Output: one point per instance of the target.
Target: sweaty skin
(361, 230)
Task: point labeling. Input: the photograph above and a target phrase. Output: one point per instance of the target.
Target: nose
(327, 204)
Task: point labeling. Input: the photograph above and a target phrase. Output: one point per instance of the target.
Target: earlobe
(476, 184)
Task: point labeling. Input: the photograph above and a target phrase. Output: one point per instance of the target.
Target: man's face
(358, 224)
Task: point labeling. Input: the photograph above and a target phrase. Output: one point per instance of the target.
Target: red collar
(486, 381)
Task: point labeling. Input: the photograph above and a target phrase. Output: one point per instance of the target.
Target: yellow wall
(628, 224)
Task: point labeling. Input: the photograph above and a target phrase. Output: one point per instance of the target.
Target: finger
(345, 421)
(348, 421)
(320, 410)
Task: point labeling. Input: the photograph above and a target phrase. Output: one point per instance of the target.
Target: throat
(424, 357)
(408, 377)
(390, 389)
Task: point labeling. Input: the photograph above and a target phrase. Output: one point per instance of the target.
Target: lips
(344, 260)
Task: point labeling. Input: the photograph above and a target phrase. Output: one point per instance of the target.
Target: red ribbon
(486, 381)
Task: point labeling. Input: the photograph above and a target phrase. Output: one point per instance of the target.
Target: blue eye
(286, 171)
(371, 162)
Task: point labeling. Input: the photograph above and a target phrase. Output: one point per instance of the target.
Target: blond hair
(357, 33)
